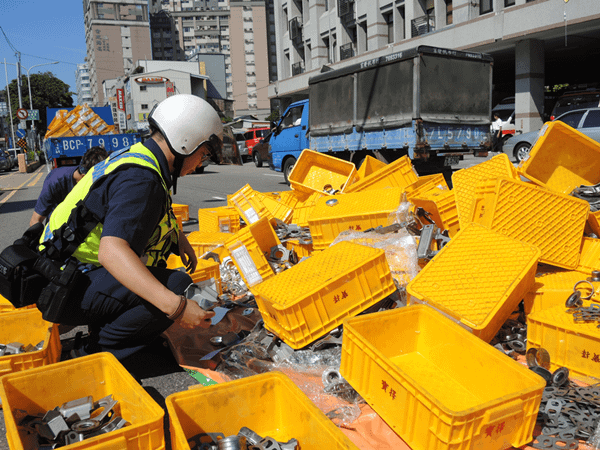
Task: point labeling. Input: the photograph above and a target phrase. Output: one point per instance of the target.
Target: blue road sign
(20, 133)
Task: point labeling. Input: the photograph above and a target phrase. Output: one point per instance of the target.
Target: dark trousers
(119, 321)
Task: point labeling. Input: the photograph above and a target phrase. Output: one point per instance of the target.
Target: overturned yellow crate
(589, 258)
(313, 297)
(27, 327)
(553, 288)
(39, 390)
(574, 345)
(562, 159)
(551, 221)
(304, 208)
(203, 242)
(357, 211)
(411, 365)
(477, 279)
(399, 173)
(441, 206)
(222, 219)
(368, 166)
(252, 402)
(253, 206)
(425, 184)
(317, 172)
(465, 182)
(205, 270)
(248, 247)
(181, 210)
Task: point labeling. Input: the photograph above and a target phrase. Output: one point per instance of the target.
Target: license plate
(451, 160)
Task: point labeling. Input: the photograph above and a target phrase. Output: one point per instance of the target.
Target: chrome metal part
(14, 348)
(538, 357)
(574, 300)
(280, 352)
(107, 403)
(292, 444)
(268, 443)
(591, 286)
(86, 426)
(560, 377)
(53, 425)
(331, 376)
(116, 423)
(82, 407)
(595, 276)
(252, 438)
(73, 436)
(234, 442)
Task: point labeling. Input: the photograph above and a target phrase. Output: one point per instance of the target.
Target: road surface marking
(4, 200)
(33, 183)
(219, 198)
(273, 175)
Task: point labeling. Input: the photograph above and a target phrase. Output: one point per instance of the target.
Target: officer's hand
(187, 254)
(194, 316)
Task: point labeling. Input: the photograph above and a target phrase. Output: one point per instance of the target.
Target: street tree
(46, 91)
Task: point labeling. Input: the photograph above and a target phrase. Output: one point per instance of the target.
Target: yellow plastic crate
(313, 297)
(181, 210)
(44, 388)
(368, 166)
(302, 250)
(314, 172)
(399, 173)
(553, 288)
(27, 327)
(562, 159)
(203, 242)
(411, 365)
(424, 184)
(7, 306)
(222, 219)
(551, 221)
(357, 211)
(478, 279)
(247, 248)
(441, 204)
(594, 222)
(253, 206)
(575, 346)
(304, 208)
(270, 404)
(590, 256)
(465, 181)
(205, 270)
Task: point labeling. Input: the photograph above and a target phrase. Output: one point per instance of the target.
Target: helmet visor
(215, 146)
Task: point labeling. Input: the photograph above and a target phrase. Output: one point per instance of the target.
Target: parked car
(586, 121)
(14, 152)
(260, 152)
(240, 139)
(253, 137)
(589, 98)
(5, 162)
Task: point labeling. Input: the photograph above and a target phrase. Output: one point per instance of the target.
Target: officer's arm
(121, 261)
(36, 218)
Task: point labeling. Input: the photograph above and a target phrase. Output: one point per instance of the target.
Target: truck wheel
(521, 151)
(200, 169)
(257, 159)
(288, 165)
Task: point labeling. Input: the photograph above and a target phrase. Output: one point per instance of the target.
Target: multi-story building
(534, 43)
(116, 34)
(83, 85)
(237, 29)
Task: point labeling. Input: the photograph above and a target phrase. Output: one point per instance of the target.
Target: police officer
(126, 296)
(59, 182)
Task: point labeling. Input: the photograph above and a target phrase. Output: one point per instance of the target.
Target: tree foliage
(47, 91)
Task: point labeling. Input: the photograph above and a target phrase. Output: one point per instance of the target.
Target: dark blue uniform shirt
(130, 201)
(57, 185)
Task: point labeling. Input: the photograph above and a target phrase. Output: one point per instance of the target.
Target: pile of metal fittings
(246, 439)
(512, 337)
(14, 348)
(73, 421)
(568, 412)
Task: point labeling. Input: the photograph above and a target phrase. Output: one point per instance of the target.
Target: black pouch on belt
(56, 296)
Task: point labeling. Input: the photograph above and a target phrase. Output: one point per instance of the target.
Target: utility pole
(12, 129)
(18, 55)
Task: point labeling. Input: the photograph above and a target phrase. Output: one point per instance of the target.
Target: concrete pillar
(529, 85)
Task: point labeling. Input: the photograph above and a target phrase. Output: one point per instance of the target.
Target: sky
(43, 31)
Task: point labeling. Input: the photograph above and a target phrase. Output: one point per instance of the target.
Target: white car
(586, 121)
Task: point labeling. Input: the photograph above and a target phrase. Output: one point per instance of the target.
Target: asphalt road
(155, 369)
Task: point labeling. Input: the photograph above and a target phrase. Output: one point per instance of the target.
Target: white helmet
(187, 122)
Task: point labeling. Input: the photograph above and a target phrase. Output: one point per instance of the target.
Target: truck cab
(289, 138)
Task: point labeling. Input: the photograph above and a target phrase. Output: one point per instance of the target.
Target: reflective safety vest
(165, 235)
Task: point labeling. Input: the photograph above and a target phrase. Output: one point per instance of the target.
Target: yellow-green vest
(164, 236)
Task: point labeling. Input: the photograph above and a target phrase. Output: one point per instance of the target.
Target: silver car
(587, 121)
(5, 162)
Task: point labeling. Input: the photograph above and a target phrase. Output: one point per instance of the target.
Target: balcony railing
(422, 25)
(296, 29)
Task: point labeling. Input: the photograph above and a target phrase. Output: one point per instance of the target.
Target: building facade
(117, 34)
(83, 85)
(534, 43)
(237, 29)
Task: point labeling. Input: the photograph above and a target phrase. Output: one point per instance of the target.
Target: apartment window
(485, 6)
(389, 20)
(143, 88)
(449, 11)
(144, 106)
(509, 3)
